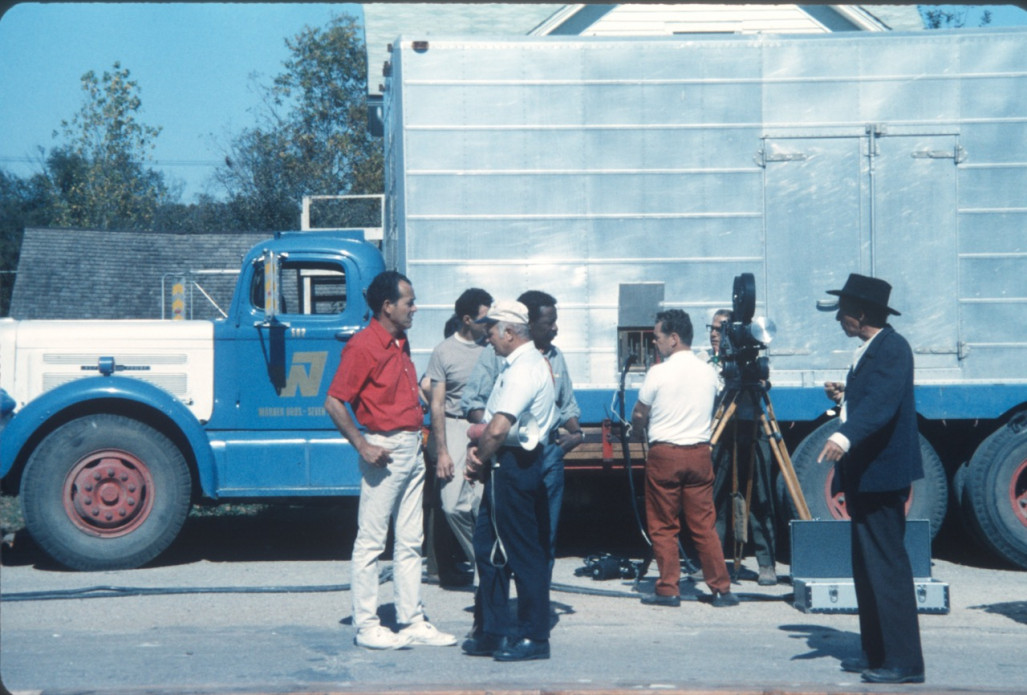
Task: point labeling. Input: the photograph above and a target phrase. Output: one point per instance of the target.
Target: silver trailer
(628, 175)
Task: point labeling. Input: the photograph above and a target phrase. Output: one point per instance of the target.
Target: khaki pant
(460, 499)
(390, 492)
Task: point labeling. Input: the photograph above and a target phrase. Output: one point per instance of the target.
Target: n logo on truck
(306, 379)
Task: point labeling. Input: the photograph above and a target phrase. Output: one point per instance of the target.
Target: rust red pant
(680, 478)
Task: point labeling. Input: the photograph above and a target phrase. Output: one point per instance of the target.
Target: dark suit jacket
(881, 419)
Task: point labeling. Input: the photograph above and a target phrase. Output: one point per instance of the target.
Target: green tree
(98, 175)
(23, 203)
(311, 137)
(206, 215)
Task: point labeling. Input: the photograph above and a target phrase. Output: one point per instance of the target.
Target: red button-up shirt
(377, 378)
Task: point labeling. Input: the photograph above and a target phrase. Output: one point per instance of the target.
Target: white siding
(662, 20)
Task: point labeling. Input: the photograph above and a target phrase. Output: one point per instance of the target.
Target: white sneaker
(423, 632)
(379, 637)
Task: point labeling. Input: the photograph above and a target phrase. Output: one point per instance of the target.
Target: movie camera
(745, 398)
(742, 338)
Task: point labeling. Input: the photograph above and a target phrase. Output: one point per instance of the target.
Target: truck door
(281, 441)
(914, 241)
(814, 217)
(877, 204)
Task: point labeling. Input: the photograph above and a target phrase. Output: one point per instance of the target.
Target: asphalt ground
(232, 622)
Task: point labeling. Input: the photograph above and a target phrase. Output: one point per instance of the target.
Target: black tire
(105, 492)
(995, 491)
(929, 498)
(960, 502)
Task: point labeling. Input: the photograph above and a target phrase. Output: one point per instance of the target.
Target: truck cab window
(305, 287)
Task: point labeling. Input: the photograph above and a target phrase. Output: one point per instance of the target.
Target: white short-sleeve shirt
(525, 383)
(681, 393)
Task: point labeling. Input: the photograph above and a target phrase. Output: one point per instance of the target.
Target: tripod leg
(737, 521)
(724, 417)
(780, 452)
(646, 562)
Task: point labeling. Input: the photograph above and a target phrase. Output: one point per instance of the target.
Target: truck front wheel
(105, 492)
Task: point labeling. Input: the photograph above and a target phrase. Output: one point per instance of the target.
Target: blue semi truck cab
(113, 428)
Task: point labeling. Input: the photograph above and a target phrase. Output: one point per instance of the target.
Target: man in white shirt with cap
(512, 532)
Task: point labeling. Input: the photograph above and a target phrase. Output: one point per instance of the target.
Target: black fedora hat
(868, 290)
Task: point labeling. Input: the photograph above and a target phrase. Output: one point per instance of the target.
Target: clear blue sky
(192, 62)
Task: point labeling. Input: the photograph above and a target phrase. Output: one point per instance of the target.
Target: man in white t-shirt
(675, 407)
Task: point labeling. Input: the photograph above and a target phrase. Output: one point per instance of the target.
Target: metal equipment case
(822, 567)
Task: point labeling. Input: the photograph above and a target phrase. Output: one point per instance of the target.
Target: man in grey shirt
(448, 370)
(542, 324)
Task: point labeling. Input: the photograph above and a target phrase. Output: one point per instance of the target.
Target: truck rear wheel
(995, 491)
(105, 492)
(928, 499)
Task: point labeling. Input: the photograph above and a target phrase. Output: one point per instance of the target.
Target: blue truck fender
(28, 420)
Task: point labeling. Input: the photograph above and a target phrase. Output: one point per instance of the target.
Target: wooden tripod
(756, 396)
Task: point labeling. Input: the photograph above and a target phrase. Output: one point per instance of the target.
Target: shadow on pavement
(1014, 610)
(309, 531)
(824, 642)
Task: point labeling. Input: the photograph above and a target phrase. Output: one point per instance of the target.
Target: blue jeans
(552, 476)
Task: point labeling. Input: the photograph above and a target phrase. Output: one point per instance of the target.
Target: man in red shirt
(378, 380)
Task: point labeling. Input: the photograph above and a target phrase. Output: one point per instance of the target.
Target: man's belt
(678, 446)
(389, 433)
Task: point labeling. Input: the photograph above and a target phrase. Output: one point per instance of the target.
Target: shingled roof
(89, 274)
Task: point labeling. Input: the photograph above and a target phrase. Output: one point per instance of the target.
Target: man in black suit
(877, 457)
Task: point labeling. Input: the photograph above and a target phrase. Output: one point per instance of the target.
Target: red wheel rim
(1018, 492)
(108, 493)
(836, 500)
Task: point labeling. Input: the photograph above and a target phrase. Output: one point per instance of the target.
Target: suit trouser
(883, 577)
(680, 478)
(460, 499)
(516, 504)
(390, 492)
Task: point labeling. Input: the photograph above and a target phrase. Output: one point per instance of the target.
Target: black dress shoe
(892, 675)
(482, 645)
(658, 600)
(524, 649)
(854, 664)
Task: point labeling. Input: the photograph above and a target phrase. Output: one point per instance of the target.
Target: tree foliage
(14, 195)
(311, 137)
(97, 176)
(951, 16)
